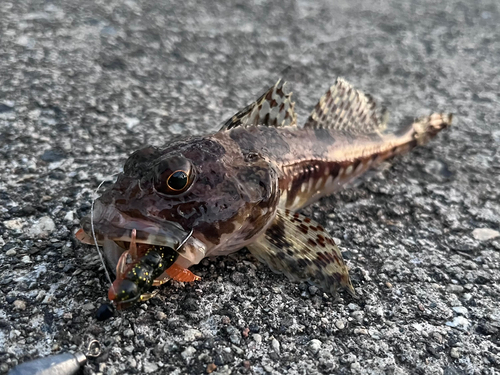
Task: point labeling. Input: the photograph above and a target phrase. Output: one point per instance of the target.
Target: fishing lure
(242, 186)
(134, 279)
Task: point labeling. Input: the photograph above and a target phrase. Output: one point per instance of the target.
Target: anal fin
(301, 249)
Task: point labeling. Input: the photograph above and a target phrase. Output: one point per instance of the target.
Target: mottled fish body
(212, 195)
(314, 163)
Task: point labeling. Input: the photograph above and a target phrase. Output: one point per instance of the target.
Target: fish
(243, 186)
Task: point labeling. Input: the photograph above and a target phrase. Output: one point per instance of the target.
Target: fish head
(203, 194)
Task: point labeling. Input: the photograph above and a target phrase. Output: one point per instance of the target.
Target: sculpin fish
(242, 186)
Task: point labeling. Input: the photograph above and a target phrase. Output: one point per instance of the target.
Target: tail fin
(427, 127)
(418, 133)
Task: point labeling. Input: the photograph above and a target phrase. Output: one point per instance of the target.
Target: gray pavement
(85, 83)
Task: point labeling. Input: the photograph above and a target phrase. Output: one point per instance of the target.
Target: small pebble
(459, 322)
(313, 290)
(192, 334)
(339, 324)
(15, 224)
(254, 328)
(438, 337)
(257, 338)
(19, 304)
(314, 346)
(361, 331)
(245, 332)
(42, 227)
(150, 367)
(11, 252)
(237, 350)
(348, 358)
(69, 216)
(234, 334)
(485, 234)
(88, 306)
(235, 339)
(67, 316)
(460, 310)
(188, 353)
(457, 289)
(128, 333)
(275, 345)
(353, 307)
(211, 368)
(455, 353)
(358, 315)
(160, 315)
(467, 297)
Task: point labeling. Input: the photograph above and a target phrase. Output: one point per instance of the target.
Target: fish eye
(173, 175)
(178, 180)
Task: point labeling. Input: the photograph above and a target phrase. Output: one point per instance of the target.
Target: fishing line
(94, 196)
(185, 240)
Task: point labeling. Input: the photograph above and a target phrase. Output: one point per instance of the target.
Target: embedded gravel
(85, 83)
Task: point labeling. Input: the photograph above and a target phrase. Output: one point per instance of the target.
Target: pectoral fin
(84, 237)
(301, 249)
(178, 273)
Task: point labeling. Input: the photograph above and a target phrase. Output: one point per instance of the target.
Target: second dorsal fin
(345, 108)
(274, 108)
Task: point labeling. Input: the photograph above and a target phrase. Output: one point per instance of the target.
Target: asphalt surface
(84, 84)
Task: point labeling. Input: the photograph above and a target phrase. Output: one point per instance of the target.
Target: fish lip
(112, 224)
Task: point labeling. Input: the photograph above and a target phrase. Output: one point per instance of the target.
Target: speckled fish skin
(224, 205)
(247, 180)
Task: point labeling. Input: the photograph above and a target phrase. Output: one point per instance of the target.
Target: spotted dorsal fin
(347, 109)
(301, 249)
(274, 108)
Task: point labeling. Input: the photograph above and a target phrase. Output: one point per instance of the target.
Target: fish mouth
(113, 231)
